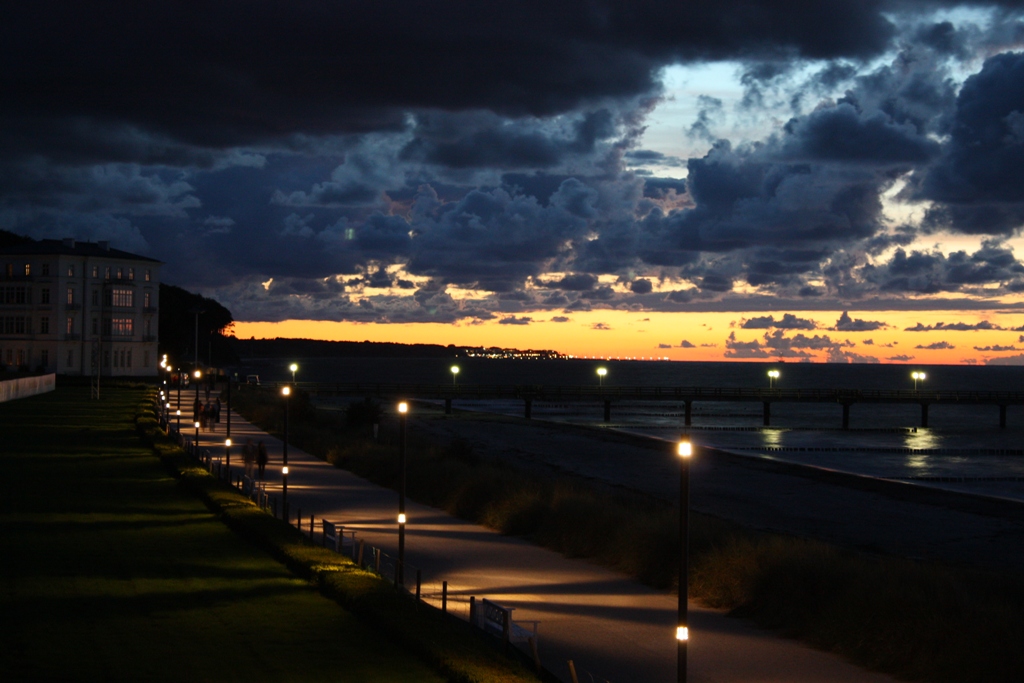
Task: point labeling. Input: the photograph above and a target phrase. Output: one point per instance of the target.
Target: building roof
(70, 247)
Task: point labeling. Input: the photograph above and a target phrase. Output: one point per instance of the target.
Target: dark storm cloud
(956, 327)
(932, 272)
(935, 346)
(787, 322)
(210, 75)
(977, 179)
(848, 324)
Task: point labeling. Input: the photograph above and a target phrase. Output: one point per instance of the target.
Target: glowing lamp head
(685, 449)
(178, 413)
(401, 518)
(293, 367)
(197, 425)
(682, 633)
(197, 374)
(167, 405)
(284, 470)
(286, 391)
(455, 369)
(227, 442)
(403, 407)
(602, 371)
(774, 374)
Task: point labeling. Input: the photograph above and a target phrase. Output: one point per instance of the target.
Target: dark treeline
(315, 348)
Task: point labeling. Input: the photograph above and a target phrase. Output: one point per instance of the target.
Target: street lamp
(685, 451)
(294, 368)
(601, 372)
(284, 492)
(197, 374)
(772, 376)
(178, 411)
(196, 447)
(286, 392)
(917, 377)
(455, 374)
(403, 409)
(227, 453)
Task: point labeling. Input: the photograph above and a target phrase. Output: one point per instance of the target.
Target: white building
(66, 306)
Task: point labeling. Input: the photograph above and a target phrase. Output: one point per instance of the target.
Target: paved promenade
(614, 628)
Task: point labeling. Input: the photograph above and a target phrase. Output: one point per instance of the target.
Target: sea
(962, 449)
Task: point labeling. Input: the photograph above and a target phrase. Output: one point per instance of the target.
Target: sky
(837, 181)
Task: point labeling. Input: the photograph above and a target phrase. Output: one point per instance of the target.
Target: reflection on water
(772, 437)
(923, 437)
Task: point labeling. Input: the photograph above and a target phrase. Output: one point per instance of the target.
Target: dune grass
(112, 573)
(920, 621)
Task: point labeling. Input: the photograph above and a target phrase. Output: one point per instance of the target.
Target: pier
(608, 395)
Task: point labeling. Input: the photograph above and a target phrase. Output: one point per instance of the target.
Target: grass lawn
(112, 573)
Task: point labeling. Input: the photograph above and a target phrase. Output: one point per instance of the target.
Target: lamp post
(178, 411)
(772, 376)
(917, 377)
(195, 449)
(197, 374)
(601, 372)
(179, 399)
(284, 492)
(403, 409)
(455, 374)
(294, 368)
(685, 451)
(227, 455)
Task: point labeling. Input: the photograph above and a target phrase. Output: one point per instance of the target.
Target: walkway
(614, 628)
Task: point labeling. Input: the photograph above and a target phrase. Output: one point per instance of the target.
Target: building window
(71, 358)
(16, 324)
(95, 297)
(106, 358)
(95, 272)
(10, 357)
(71, 325)
(106, 273)
(131, 276)
(10, 270)
(21, 357)
(120, 273)
(121, 297)
(122, 327)
(147, 299)
(44, 358)
(28, 269)
(71, 270)
(95, 326)
(46, 270)
(44, 296)
(149, 328)
(71, 296)
(149, 275)
(128, 358)
(145, 359)
(44, 326)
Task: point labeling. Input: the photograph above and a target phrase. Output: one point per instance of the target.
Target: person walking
(216, 411)
(261, 458)
(248, 456)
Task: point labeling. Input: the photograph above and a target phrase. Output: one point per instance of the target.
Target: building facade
(78, 308)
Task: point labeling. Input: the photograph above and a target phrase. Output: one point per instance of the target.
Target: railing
(655, 393)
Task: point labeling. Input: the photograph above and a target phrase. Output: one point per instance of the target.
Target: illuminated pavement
(613, 628)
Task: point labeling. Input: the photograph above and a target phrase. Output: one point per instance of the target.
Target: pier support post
(924, 414)
(447, 406)
(767, 413)
(1002, 416)
(607, 410)
(846, 416)
(689, 413)
(529, 407)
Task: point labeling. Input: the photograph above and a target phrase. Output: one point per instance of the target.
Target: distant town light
(285, 391)
(403, 407)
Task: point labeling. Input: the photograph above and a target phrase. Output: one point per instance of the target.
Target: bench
(497, 620)
(334, 534)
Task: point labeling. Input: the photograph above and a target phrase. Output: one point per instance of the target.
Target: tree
(178, 309)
